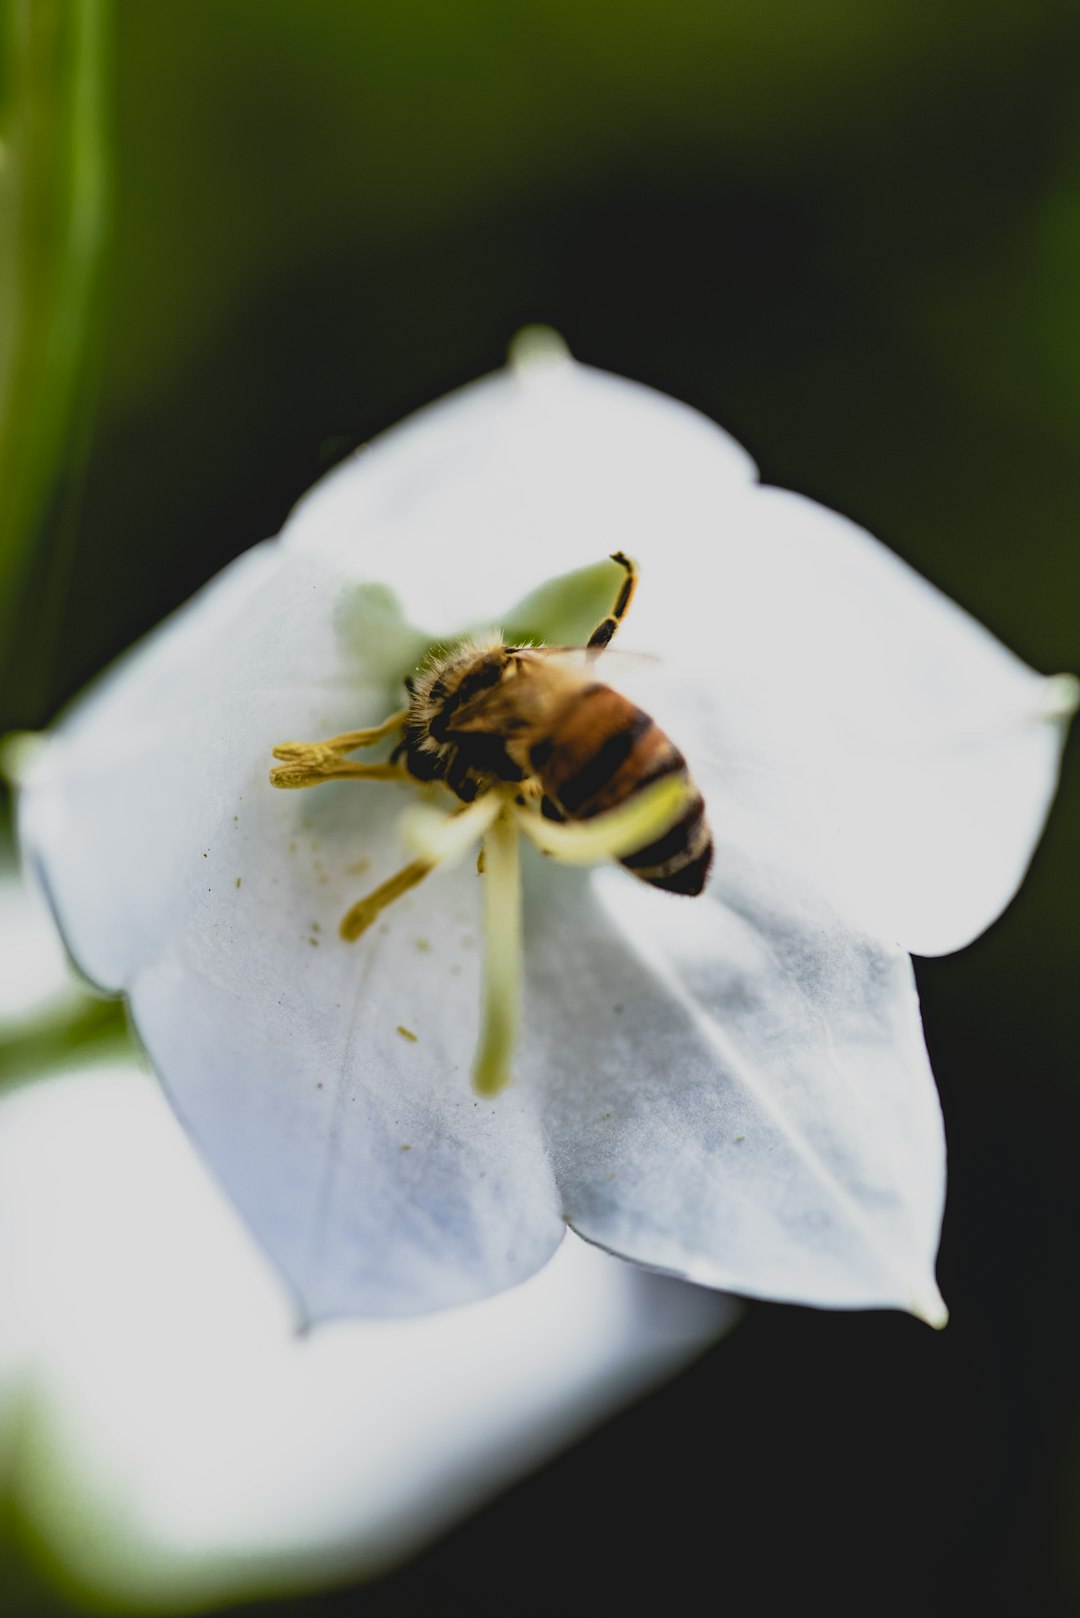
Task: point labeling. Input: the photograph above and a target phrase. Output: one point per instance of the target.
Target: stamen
(501, 1008)
(443, 839)
(365, 911)
(438, 840)
(635, 824)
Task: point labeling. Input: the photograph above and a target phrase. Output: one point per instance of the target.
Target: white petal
(917, 755)
(360, 1157)
(116, 801)
(738, 1090)
(476, 500)
(911, 756)
(182, 1444)
(363, 1161)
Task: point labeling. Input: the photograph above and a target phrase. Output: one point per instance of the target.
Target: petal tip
(928, 1304)
(20, 750)
(1061, 696)
(537, 348)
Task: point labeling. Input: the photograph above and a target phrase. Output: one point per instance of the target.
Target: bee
(486, 715)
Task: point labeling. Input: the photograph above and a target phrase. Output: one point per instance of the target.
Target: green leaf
(53, 221)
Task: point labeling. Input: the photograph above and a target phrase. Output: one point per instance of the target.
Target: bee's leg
(604, 630)
(308, 763)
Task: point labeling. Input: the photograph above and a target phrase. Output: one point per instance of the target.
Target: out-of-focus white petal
(178, 1442)
(737, 1088)
(35, 977)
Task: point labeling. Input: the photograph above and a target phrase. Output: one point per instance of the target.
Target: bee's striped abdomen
(599, 752)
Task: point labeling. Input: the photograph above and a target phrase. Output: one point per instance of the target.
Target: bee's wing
(544, 676)
(515, 705)
(593, 665)
(535, 684)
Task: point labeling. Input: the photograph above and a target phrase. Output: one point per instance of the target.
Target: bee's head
(450, 676)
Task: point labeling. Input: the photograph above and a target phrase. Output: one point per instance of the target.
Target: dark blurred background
(240, 236)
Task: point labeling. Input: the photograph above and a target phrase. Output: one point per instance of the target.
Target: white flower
(732, 1087)
(173, 1442)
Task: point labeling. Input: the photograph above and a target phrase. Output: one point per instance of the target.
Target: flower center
(496, 819)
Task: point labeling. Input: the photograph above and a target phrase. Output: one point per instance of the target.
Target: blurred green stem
(88, 1029)
(53, 221)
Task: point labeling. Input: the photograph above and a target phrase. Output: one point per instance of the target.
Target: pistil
(443, 839)
(500, 1015)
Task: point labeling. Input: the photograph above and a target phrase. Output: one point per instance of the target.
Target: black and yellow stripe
(601, 751)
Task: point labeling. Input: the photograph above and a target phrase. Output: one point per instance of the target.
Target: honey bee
(485, 714)
(507, 729)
